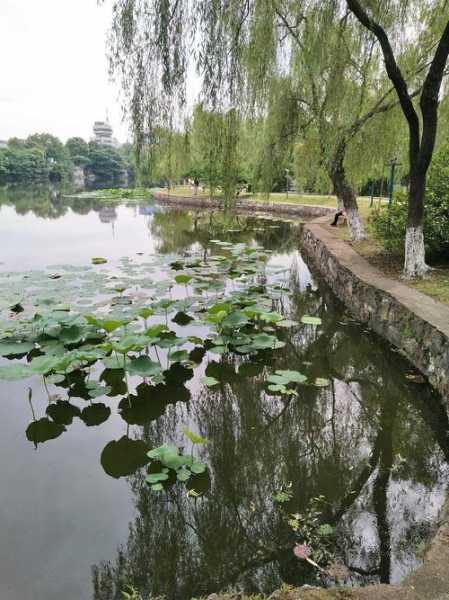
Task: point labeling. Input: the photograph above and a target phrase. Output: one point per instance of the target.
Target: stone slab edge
(244, 203)
(410, 320)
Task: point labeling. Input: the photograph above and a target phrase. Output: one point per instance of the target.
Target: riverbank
(413, 322)
(245, 203)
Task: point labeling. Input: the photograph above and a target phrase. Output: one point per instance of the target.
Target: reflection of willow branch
(184, 520)
(435, 415)
(380, 489)
(280, 413)
(243, 529)
(362, 479)
(334, 375)
(363, 572)
(233, 576)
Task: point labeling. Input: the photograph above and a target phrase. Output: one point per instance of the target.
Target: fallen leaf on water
(416, 377)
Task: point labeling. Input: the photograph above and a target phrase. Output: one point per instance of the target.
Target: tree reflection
(350, 442)
(177, 230)
(371, 443)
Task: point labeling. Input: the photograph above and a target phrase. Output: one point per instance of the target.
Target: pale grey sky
(53, 73)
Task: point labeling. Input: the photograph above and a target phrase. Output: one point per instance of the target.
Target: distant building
(103, 134)
(3, 144)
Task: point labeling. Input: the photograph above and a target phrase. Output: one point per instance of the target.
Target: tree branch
(394, 73)
(377, 109)
(430, 100)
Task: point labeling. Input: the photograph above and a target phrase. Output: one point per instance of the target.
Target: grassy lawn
(293, 198)
(317, 200)
(435, 284)
(186, 191)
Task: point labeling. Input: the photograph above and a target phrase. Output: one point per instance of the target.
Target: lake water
(368, 450)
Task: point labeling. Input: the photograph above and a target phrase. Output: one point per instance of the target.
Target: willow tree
(433, 32)
(214, 149)
(165, 157)
(241, 49)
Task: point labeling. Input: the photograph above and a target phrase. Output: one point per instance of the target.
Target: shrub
(389, 224)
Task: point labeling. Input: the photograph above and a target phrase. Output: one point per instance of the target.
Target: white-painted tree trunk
(356, 227)
(415, 255)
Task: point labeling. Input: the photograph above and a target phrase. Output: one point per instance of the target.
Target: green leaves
(235, 320)
(44, 364)
(163, 452)
(325, 529)
(260, 341)
(143, 366)
(182, 278)
(209, 381)
(145, 313)
(194, 437)
(280, 380)
(307, 320)
(12, 348)
(15, 372)
(157, 477)
(72, 334)
(286, 377)
(167, 460)
(108, 325)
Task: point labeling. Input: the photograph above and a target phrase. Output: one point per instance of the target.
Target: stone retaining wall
(410, 320)
(245, 204)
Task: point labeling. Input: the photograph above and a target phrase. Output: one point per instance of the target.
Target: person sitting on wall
(338, 214)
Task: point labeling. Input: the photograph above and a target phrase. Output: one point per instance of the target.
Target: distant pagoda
(103, 134)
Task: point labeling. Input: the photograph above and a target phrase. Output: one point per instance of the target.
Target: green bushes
(389, 223)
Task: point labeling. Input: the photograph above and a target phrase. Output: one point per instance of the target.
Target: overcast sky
(53, 69)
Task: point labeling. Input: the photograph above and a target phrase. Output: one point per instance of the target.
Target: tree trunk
(347, 197)
(415, 263)
(420, 146)
(380, 488)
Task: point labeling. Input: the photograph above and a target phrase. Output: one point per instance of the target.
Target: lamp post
(392, 163)
(287, 171)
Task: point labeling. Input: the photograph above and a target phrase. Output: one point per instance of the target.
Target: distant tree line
(266, 154)
(42, 157)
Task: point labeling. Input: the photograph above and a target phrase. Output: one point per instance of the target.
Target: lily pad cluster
(140, 330)
(169, 465)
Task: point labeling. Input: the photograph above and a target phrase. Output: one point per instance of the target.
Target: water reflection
(373, 444)
(47, 202)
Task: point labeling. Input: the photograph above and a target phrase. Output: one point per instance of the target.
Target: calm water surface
(374, 443)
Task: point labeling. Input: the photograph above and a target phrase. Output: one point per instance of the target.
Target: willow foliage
(245, 50)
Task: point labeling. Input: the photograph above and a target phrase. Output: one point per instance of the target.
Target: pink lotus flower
(302, 551)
